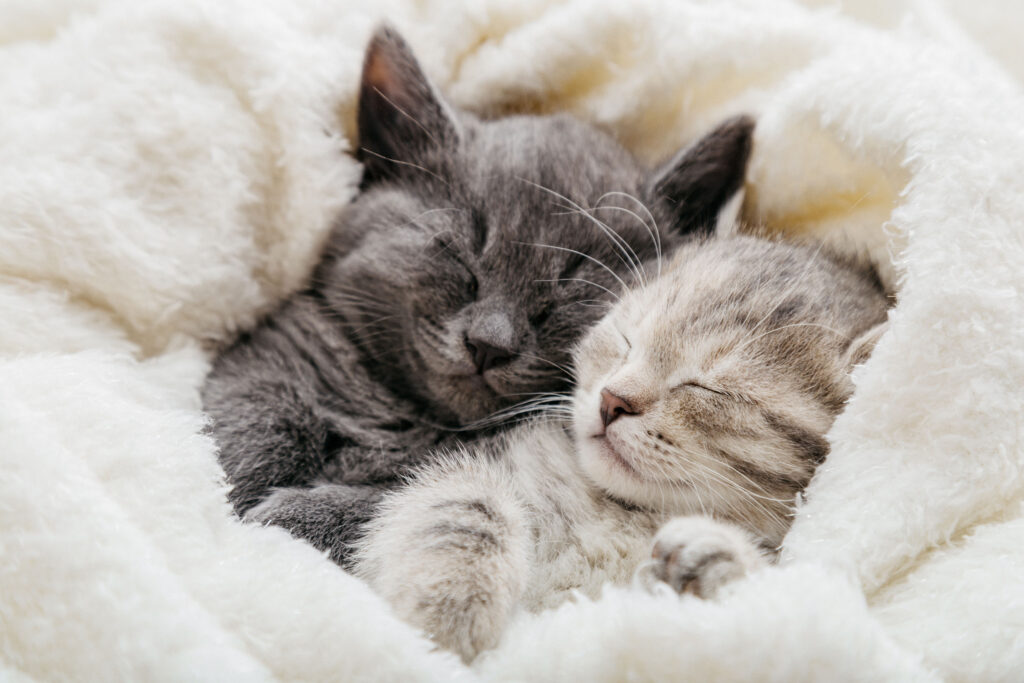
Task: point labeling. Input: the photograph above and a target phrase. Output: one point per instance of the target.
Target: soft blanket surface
(168, 170)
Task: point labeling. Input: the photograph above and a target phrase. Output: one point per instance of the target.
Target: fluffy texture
(170, 170)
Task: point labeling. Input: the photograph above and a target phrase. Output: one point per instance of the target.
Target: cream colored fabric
(168, 170)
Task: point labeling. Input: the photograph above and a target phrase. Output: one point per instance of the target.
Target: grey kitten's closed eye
(445, 246)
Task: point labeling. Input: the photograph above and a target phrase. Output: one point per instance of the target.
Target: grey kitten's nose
(613, 406)
(491, 340)
(486, 355)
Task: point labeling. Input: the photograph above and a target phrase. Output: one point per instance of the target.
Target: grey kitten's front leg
(699, 555)
(329, 516)
(451, 553)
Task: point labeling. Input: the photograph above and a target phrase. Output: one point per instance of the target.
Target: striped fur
(733, 364)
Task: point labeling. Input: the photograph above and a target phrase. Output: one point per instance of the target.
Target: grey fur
(452, 288)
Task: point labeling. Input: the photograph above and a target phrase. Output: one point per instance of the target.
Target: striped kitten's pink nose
(612, 406)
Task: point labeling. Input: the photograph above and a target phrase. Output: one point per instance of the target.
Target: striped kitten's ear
(699, 181)
(860, 348)
(402, 118)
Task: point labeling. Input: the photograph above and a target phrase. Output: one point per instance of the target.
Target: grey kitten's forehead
(556, 152)
(512, 199)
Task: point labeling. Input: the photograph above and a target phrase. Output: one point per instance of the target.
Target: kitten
(450, 290)
(701, 410)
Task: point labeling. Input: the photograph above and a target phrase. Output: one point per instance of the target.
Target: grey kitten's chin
(466, 398)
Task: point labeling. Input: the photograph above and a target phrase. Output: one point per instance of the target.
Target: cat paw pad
(699, 555)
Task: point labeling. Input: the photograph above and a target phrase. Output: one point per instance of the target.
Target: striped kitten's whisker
(811, 262)
(784, 327)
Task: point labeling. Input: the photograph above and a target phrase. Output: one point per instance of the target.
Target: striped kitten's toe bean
(699, 555)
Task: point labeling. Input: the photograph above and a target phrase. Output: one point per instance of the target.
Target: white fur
(169, 168)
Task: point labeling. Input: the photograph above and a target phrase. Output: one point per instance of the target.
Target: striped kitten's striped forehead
(719, 381)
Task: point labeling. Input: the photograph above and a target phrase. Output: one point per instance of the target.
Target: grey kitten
(700, 413)
(452, 288)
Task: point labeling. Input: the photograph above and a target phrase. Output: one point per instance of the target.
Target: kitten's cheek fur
(601, 469)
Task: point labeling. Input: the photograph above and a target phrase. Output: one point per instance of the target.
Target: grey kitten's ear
(860, 348)
(698, 182)
(401, 116)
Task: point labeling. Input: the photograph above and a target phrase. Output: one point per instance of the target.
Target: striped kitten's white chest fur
(582, 538)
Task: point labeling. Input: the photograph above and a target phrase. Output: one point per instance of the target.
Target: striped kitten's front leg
(699, 555)
(451, 553)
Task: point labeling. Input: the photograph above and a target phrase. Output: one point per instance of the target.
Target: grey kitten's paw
(265, 512)
(700, 555)
(328, 516)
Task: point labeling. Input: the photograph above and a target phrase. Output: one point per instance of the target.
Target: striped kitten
(701, 409)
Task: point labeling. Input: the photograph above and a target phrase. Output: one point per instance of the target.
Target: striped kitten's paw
(700, 555)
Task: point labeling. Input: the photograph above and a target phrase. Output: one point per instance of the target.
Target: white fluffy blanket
(169, 168)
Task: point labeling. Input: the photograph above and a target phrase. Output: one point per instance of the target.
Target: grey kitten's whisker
(376, 335)
(352, 316)
(568, 370)
(344, 290)
(414, 219)
(633, 263)
(585, 281)
(500, 416)
(503, 420)
(369, 323)
(359, 298)
(622, 252)
(593, 303)
(407, 115)
(616, 238)
(357, 292)
(550, 399)
(626, 254)
(654, 240)
(541, 374)
(656, 237)
(371, 333)
(544, 417)
(652, 228)
(405, 163)
(580, 253)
